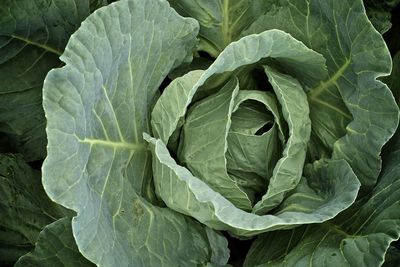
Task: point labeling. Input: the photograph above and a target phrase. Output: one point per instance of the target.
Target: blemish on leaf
(137, 208)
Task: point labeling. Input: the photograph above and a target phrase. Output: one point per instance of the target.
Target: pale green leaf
(208, 122)
(187, 194)
(256, 135)
(170, 109)
(288, 170)
(251, 112)
(218, 151)
(97, 108)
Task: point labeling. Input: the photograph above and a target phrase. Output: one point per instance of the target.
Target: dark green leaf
(55, 247)
(378, 12)
(359, 236)
(24, 208)
(33, 34)
(221, 21)
(393, 81)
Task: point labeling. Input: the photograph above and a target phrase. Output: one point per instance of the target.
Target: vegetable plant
(199, 133)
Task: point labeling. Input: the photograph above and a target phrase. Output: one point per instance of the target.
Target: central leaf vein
(332, 81)
(43, 46)
(113, 144)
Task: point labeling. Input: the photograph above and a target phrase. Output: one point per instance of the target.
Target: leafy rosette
(280, 130)
(231, 141)
(240, 153)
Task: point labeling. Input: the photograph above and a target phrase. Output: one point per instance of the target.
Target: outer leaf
(95, 4)
(33, 34)
(393, 81)
(187, 194)
(380, 18)
(307, 195)
(24, 208)
(198, 63)
(222, 21)
(391, 36)
(97, 107)
(358, 237)
(378, 12)
(170, 109)
(392, 257)
(55, 247)
(353, 115)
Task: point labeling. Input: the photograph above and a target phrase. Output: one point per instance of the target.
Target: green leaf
(393, 81)
(222, 21)
(55, 247)
(187, 194)
(170, 109)
(392, 257)
(95, 4)
(378, 12)
(307, 195)
(33, 34)
(97, 108)
(24, 208)
(208, 123)
(352, 114)
(359, 236)
(287, 53)
(198, 63)
(288, 170)
(380, 18)
(256, 135)
(167, 116)
(197, 198)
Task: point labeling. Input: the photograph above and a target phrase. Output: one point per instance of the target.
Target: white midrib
(113, 144)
